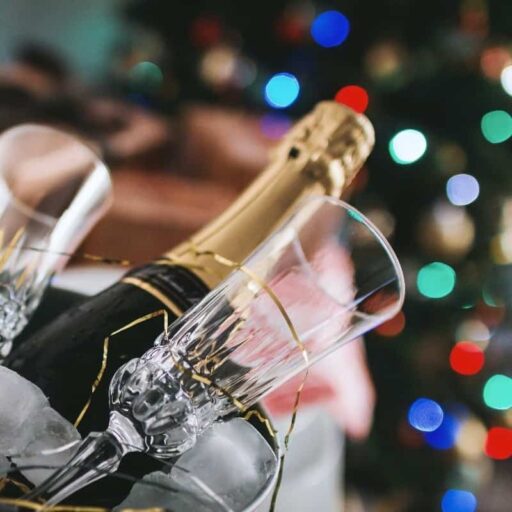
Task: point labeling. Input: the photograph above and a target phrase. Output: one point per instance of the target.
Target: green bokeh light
(436, 280)
(498, 392)
(407, 146)
(496, 126)
(147, 75)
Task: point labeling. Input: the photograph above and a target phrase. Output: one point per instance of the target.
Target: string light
(282, 90)
(462, 189)
(456, 500)
(498, 392)
(436, 280)
(425, 415)
(407, 146)
(445, 436)
(496, 126)
(498, 444)
(330, 29)
(354, 97)
(466, 358)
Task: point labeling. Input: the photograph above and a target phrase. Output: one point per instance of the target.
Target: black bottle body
(64, 357)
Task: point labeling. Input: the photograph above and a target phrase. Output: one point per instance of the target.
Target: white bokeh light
(462, 189)
(506, 79)
(407, 146)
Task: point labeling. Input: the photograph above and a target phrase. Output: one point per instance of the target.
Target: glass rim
(377, 235)
(45, 218)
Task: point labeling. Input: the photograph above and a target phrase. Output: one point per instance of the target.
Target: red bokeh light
(467, 358)
(493, 60)
(392, 327)
(354, 97)
(498, 444)
(205, 31)
(290, 29)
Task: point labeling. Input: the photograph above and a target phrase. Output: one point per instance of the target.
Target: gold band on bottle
(157, 294)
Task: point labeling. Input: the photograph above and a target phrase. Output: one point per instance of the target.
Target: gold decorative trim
(139, 283)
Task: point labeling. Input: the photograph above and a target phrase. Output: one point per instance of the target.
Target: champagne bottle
(320, 155)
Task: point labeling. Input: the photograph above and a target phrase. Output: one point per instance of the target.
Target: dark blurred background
(184, 99)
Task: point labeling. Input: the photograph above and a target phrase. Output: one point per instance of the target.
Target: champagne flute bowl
(53, 189)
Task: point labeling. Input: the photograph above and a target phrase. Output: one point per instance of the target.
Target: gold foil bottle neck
(320, 155)
(334, 140)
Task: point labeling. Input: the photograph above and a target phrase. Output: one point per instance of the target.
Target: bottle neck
(236, 233)
(319, 156)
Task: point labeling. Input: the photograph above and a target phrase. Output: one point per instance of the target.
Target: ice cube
(19, 401)
(228, 468)
(158, 490)
(31, 432)
(49, 441)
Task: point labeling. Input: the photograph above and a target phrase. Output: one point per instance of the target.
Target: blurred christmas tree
(437, 77)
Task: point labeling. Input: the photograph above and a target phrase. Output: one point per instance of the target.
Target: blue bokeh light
(462, 189)
(456, 500)
(330, 28)
(282, 90)
(425, 415)
(445, 436)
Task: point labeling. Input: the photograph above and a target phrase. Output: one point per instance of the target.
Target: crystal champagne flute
(287, 306)
(53, 189)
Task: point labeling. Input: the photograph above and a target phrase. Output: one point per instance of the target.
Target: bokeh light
(462, 189)
(218, 65)
(425, 415)
(493, 60)
(354, 97)
(445, 436)
(471, 439)
(385, 63)
(436, 280)
(330, 29)
(498, 392)
(456, 500)
(205, 31)
(496, 126)
(451, 158)
(506, 79)
(392, 327)
(475, 331)
(146, 75)
(275, 125)
(282, 90)
(467, 358)
(446, 231)
(498, 444)
(407, 146)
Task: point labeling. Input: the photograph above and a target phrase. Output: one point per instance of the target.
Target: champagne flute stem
(98, 455)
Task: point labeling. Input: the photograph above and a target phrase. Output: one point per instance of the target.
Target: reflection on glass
(53, 189)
